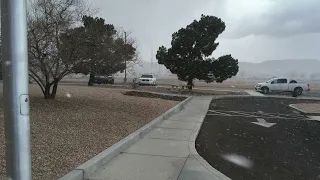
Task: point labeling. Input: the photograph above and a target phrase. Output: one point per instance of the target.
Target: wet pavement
(164, 153)
(260, 138)
(305, 94)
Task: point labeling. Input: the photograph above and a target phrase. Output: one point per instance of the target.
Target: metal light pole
(15, 89)
(126, 34)
(125, 59)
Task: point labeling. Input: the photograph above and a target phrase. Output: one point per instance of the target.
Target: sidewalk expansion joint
(167, 139)
(173, 128)
(183, 166)
(155, 155)
(180, 120)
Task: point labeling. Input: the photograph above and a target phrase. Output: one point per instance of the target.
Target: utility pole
(151, 60)
(15, 89)
(125, 59)
(126, 34)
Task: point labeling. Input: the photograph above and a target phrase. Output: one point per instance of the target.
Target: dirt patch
(80, 123)
(197, 91)
(204, 92)
(308, 107)
(154, 95)
(194, 92)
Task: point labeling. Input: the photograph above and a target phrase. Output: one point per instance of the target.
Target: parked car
(282, 85)
(147, 79)
(210, 78)
(100, 79)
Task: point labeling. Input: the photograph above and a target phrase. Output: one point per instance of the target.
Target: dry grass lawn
(308, 107)
(80, 123)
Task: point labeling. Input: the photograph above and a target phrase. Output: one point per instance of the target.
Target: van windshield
(270, 80)
(147, 76)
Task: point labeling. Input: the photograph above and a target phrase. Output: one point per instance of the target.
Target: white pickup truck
(282, 85)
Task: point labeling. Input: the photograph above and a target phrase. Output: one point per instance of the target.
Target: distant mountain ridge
(302, 68)
(291, 68)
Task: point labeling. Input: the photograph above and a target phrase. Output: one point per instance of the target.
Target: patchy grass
(80, 123)
(308, 107)
(194, 92)
(155, 95)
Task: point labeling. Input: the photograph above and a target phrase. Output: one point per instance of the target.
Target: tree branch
(36, 76)
(42, 88)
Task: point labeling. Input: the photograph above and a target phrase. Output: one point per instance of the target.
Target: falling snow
(7, 63)
(238, 160)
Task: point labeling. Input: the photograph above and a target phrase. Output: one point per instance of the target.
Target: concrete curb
(303, 112)
(288, 97)
(158, 93)
(254, 93)
(84, 170)
(265, 97)
(194, 153)
(292, 106)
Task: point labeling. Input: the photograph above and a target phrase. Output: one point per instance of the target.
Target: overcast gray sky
(257, 30)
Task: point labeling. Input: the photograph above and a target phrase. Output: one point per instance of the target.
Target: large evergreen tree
(106, 53)
(191, 48)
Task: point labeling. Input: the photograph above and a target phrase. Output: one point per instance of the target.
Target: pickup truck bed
(282, 85)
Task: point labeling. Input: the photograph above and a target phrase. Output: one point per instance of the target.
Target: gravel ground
(194, 92)
(230, 83)
(166, 88)
(155, 95)
(80, 123)
(308, 107)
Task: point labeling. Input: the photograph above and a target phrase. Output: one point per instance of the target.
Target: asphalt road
(305, 94)
(260, 138)
(239, 86)
(226, 86)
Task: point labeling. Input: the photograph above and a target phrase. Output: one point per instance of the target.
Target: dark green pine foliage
(191, 48)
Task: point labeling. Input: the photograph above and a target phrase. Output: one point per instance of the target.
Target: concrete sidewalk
(253, 93)
(164, 153)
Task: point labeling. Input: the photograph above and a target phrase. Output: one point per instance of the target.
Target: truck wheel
(298, 91)
(294, 94)
(265, 90)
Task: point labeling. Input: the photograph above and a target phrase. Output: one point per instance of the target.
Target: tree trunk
(48, 94)
(190, 84)
(90, 83)
(54, 90)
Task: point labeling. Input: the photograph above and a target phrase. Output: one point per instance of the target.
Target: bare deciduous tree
(136, 58)
(49, 58)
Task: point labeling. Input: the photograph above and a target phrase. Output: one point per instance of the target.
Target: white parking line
(315, 118)
(254, 114)
(263, 123)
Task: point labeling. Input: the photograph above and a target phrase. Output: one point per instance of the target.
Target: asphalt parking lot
(305, 94)
(260, 138)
